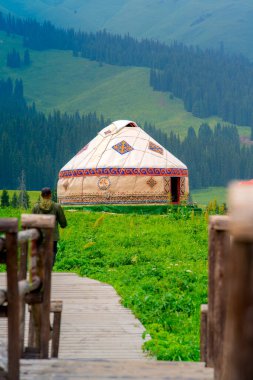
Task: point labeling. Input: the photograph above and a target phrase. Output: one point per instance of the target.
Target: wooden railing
(227, 320)
(37, 231)
(213, 315)
(8, 256)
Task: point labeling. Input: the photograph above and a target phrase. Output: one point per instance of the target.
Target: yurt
(123, 164)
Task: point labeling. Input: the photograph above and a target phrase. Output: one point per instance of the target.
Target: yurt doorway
(175, 183)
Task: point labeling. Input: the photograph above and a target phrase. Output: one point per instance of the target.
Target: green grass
(57, 80)
(204, 196)
(160, 209)
(157, 264)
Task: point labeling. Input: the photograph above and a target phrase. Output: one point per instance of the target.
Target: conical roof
(123, 145)
(121, 149)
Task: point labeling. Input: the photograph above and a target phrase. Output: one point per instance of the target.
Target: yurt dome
(123, 164)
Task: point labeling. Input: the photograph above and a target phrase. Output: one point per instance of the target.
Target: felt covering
(123, 164)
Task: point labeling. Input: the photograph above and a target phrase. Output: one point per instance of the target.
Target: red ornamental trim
(170, 172)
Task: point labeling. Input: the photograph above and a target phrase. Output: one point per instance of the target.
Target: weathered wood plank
(13, 301)
(114, 369)
(102, 337)
(94, 323)
(220, 222)
(218, 256)
(9, 225)
(31, 234)
(203, 333)
(37, 221)
(238, 345)
(2, 244)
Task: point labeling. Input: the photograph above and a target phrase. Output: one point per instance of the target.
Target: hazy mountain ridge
(204, 23)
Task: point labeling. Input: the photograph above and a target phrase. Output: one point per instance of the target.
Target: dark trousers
(54, 251)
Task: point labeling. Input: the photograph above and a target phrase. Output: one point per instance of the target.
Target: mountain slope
(57, 80)
(206, 23)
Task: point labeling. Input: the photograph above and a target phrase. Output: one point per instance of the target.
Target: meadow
(156, 263)
(57, 80)
(203, 196)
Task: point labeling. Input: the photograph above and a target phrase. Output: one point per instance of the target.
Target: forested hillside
(40, 145)
(55, 79)
(194, 22)
(209, 82)
(36, 143)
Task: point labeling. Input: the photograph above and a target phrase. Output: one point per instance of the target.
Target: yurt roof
(247, 182)
(123, 145)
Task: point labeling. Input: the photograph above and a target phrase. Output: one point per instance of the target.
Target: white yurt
(123, 164)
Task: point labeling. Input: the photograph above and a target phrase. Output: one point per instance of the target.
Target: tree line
(14, 59)
(40, 145)
(36, 143)
(210, 82)
(213, 156)
(20, 200)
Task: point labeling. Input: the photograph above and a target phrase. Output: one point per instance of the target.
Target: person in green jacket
(47, 206)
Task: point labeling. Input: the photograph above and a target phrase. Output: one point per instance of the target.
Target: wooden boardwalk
(100, 339)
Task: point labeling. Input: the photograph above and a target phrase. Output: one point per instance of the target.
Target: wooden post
(10, 227)
(56, 309)
(218, 256)
(2, 245)
(237, 363)
(31, 338)
(45, 251)
(203, 333)
(23, 238)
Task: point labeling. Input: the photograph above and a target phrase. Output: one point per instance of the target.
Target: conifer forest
(209, 82)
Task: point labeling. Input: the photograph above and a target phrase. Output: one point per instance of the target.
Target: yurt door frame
(175, 189)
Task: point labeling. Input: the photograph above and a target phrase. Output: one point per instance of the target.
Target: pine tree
(5, 200)
(13, 59)
(14, 200)
(23, 198)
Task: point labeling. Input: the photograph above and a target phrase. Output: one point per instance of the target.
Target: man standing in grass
(48, 207)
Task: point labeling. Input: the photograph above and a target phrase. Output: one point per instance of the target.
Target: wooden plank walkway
(100, 339)
(113, 369)
(94, 323)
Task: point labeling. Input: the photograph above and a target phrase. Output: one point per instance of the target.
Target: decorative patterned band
(114, 199)
(177, 172)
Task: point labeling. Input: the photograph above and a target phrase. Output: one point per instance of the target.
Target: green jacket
(51, 208)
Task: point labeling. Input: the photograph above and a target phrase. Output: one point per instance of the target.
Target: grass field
(204, 196)
(57, 80)
(156, 263)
